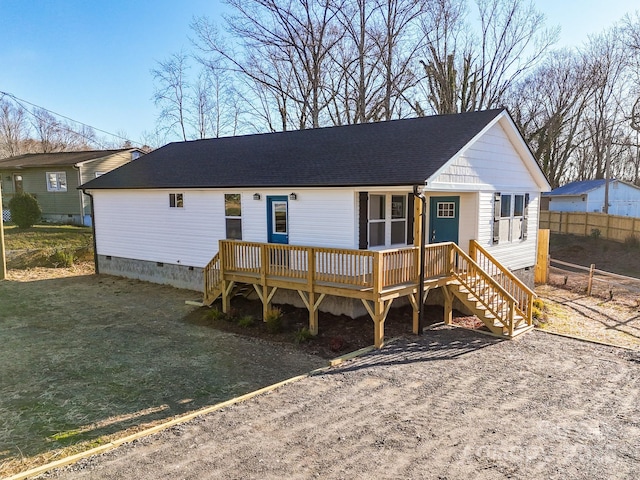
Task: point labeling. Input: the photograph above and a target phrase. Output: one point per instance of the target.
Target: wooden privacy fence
(611, 227)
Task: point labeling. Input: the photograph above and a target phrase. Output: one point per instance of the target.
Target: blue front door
(278, 219)
(444, 217)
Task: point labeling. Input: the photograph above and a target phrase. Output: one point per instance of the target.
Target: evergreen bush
(25, 210)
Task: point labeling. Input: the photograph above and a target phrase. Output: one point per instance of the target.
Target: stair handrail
(525, 307)
(211, 274)
(513, 303)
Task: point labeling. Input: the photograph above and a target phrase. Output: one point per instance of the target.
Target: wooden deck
(376, 278)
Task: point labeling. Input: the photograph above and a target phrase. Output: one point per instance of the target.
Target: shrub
(595, 233)
(61, 259)
(302, 335)
(539, 304)
(246, 321)
(215, 314)
(273, 319)
(25, 210)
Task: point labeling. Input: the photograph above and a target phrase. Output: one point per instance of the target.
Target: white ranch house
(164, 217)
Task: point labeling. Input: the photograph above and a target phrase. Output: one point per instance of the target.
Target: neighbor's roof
(34, 160)
(578, 188)
(397, 152)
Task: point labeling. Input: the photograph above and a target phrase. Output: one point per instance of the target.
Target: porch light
(293, 196)
(256, 196)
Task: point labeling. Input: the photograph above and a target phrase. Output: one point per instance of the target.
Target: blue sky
(91, 60)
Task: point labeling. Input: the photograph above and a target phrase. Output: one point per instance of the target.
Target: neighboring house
(161, 218)
(53, 179)
(588, 196)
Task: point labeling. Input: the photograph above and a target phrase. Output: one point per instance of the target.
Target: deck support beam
(379, 314)
(414, 300)
(265, 294)
(312, 305)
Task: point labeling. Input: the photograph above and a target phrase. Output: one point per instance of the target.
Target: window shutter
(496, 217)
(525, 217)
(363, 220)
(410, 199)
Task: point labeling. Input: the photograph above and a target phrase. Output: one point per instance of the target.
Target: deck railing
(347, 267)
(308, 268)
(523, 295)
(212, 279)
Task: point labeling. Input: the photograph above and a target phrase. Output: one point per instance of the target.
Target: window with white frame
(510, 217)
(233, 216)
(56, 181)
(387, 220)
(176, 200)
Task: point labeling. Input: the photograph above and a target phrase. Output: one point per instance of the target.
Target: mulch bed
(337, 334)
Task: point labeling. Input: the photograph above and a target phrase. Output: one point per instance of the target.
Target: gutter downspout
(93, 230)
(423, 233)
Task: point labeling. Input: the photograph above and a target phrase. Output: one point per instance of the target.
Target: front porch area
(376, 278)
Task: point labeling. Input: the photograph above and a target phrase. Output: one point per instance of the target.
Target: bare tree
(285, 47)
(550, 108)
(171, 79)
(13, 129)
(511, 40)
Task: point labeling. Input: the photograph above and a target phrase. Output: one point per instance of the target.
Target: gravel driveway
(452, 404)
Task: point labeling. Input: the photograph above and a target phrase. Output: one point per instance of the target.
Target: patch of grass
(246, 321)
(215, 314)
(302, 335)
(47, 236)
(273, 320)
(62, 258)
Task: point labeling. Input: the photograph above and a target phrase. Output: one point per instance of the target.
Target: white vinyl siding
(153, 232)
(517, 254)
(489, 163)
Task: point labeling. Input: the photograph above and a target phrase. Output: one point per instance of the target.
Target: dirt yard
(454, 404)
(450, 404)
(89, 358)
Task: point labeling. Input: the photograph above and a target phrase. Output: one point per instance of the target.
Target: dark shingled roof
(397, 152)
(34, 160)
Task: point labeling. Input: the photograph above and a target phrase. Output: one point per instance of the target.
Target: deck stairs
(497, 326)
(491, 292)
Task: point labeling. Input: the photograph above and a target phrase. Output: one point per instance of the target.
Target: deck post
(413, 300)
(311, 273)
(448, 305)
(264, 264)
(378, 320)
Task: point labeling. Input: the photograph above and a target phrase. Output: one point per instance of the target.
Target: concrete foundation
(63, 219)
(191, 278)
(179, 276)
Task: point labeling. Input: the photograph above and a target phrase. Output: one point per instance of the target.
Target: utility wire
(21, 102)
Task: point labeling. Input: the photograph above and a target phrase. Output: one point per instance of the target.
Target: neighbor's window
(176, 200)
(99, 174)
(233, 216)
(387, 220)
(56, 181)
